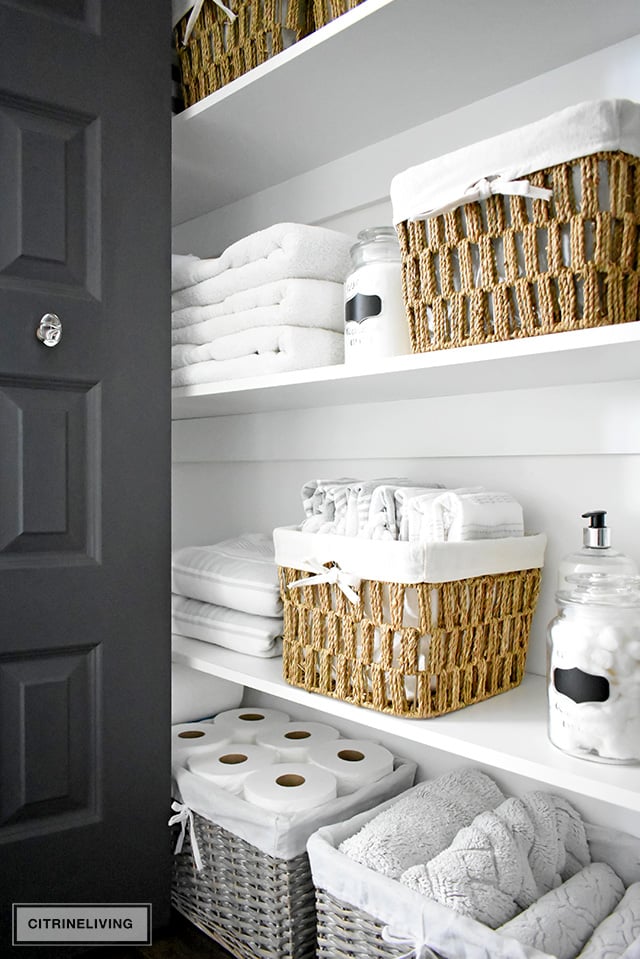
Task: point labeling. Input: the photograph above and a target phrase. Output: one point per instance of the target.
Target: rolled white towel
(383, 521)
(562, 920)
(357, 516)
(242, 632)
(619, 931)
(464, 514)
(422, 823)
(324, 503)
(278, 252)
(288, 302)
(262, 351)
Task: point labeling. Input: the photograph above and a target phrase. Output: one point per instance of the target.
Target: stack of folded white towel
(228, 594)
(397, 508)
(521, 866)
(271, 302)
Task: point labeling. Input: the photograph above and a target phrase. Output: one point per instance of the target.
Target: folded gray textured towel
(423, 822)
(619, 931)
(561, 921)
(505, 859)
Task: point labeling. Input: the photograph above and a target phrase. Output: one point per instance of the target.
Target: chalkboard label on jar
(581, 687)
(362, 307)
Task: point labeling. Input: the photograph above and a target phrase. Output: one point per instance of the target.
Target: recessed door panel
(50, 170)
(48, 740)
(50, 508)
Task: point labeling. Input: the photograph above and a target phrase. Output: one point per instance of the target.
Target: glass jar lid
(376, 243)
(600, 589)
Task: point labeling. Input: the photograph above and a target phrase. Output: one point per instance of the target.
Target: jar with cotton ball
(593, 668)
(375, 319)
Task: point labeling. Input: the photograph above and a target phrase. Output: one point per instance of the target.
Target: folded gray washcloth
(423, 822)
(505, 859)
(561, 921)
(619, 931)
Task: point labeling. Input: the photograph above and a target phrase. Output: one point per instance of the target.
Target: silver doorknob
(49, 329)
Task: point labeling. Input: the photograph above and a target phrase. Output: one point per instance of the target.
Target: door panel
(85, 159)
(50, 507)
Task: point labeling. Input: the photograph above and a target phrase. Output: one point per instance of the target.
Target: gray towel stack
(422, 823)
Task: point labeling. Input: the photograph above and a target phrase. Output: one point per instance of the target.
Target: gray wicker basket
(345, 932)
(254, 905)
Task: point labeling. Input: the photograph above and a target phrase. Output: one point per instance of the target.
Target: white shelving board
(507, 732)
(602, 354)
(315, 102)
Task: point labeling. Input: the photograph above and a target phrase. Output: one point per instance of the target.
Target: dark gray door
(84, 453)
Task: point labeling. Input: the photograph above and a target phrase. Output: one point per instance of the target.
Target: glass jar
(593, 668)
(375, 320)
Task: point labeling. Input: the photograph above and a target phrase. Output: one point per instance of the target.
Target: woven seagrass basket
(220, 50)
(326, 10)
(254, 905)
(510, 267)
(478, 628)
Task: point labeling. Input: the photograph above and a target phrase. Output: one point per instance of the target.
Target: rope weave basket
(255, 906)
(510, 267)
(479, 633)
(326, 10)
(220, 50)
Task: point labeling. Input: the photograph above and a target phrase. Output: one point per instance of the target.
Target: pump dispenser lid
(596, 534)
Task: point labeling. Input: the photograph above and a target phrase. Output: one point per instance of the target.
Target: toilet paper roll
(230, 765)
(244, 724)
(292, 741)
(188, 738)
(290, 787)
(354, 762)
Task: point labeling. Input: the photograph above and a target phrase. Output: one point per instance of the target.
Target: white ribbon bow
(418, 949)
(484, 189)
(347, 582)
(184, 816)
(195, 13)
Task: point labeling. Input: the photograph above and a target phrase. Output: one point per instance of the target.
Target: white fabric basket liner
(276, 834)
(416, 920)
(404, 562)
(591, 127)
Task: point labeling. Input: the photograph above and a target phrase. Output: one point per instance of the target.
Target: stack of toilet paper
(275, 763)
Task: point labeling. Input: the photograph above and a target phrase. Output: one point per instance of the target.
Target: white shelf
(598, 355)
(507, 732)
(385, 67)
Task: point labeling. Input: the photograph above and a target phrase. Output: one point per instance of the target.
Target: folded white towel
(263, 351)
(278, 252)
(242, 632)
(464, 514)
(422, 823)
(383, 521)
(506, 859)
(239, 573)
(618, 931)
(324, 503)
(562, 920)
(289, 302)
